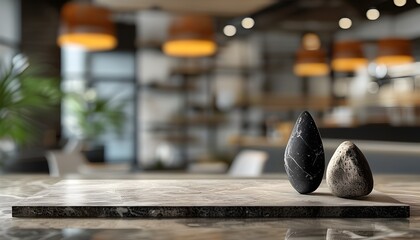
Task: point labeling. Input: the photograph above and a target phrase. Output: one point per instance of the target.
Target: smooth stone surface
(197, 198)
(13, 188)
(348, 172)
(304, 158)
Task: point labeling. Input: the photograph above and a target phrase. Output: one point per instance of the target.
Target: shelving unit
(190, 120)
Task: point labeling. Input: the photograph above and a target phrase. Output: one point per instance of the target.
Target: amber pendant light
(348, 56)
(394, 51)
(86, 26)
(311, 58)
(190, 36)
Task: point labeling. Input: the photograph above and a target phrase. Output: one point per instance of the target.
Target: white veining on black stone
(304, 158)
(348, 172)
(197, 198)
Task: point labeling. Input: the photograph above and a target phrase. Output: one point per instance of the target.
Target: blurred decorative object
(169, 156)
(190, 36)
(394, 51)
(311, 59)
(348, 56)
(87, 26)
(22, 96)
(93, 116)
(377, 71)
(278, 131)
(311, 63)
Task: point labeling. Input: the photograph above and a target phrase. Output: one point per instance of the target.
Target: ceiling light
(394, 51)
(348, 56)
(229, 30)
(418, 1)
(345, 23)
(311, 41)
(311, 63)
(248, 23)
(190, 36)
(373, 14)
(400, 3)
(86, 26)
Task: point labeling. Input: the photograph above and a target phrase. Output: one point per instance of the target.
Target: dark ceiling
(322, 14)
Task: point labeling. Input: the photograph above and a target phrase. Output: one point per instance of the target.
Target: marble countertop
(17, 187)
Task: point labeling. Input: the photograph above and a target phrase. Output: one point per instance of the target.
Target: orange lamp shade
(86, 26)
(311, 63)
(191, 36)
(394, 51)
(348, 56)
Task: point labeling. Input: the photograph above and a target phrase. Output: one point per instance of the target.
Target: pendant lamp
(348, 56)
(86, 26)
(311, 63)
(190, 36)
(394, 51)
(310, 58)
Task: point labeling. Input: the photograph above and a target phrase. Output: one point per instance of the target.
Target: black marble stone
(348, 172)
(212, 212)
(304, 158)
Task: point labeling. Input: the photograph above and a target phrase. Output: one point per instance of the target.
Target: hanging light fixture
(190, 36)
(311, 59)
(348, 56)
(394, 51)
(86, 26)
(311, 63)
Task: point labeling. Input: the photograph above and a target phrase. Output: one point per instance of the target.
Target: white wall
(10, 20)
(9, 28)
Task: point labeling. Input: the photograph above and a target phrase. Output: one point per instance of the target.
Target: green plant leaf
(22, 96)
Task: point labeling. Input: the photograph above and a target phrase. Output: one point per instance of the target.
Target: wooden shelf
(179, 139)
(407, 99)
(198, 120)
(256, 141)
(282, 103)
(177, 123)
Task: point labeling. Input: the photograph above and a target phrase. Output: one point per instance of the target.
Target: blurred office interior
(205, 87)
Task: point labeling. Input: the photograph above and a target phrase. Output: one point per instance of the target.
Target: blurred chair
(71, 161)
(248, 163)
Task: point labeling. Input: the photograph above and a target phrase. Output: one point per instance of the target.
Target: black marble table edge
(397, 210)
(402, 211)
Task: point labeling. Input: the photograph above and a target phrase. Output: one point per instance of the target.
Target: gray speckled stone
(304, 159)
(348, 172)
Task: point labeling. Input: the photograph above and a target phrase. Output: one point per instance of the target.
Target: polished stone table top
(221, 198)
(14, 188)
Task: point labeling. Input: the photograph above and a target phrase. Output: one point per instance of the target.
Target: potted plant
(23, 95)
(89, 117)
